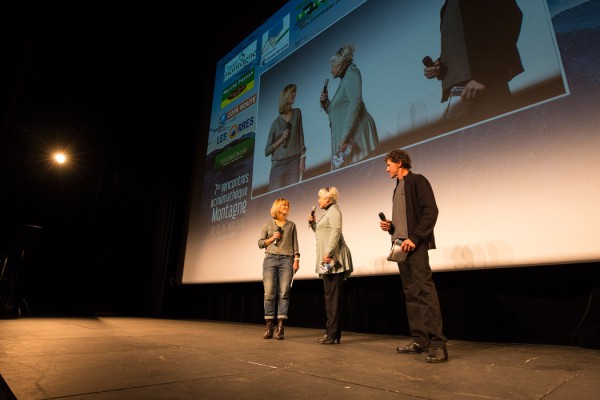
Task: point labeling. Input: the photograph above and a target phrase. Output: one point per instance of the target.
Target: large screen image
(513, 171)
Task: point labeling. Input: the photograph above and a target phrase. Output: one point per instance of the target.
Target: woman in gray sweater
(279, 238)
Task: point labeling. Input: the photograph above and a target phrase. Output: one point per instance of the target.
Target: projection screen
(519, 188)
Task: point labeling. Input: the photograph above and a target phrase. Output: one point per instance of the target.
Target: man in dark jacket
(414, 214)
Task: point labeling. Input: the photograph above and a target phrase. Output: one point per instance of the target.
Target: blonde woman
(285, 143)
(279, 238)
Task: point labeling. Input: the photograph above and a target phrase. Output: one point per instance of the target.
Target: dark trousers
(422, 304)
(495, 100)
(333, 286)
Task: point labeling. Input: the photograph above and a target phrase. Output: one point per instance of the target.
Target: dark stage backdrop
(558, 304)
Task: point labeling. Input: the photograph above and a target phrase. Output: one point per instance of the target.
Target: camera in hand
(325, 268)
(456, 90)
(341, 156)
(456, 108)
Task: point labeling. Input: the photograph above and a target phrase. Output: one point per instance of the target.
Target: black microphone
(382, 216)
(312, 214)
(428, 62)
(288, 126)
(280, 231)
(325, 84)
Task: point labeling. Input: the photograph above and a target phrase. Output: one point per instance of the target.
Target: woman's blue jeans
(284, 172)
(277, 277)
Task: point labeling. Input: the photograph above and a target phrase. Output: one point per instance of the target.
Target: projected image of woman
(353, 131)
(285, 143)
(334, 261)
(279, 238)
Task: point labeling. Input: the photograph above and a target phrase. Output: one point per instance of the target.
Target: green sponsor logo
(234, 154)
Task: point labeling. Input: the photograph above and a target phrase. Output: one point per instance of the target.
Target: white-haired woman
(334, 261)
(353, 131)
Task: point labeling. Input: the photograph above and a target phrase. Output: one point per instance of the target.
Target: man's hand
(385, 225)
(472, 90)
(432, 72)
(407, 245)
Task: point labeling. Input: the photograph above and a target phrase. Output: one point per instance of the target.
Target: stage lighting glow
(60, 158)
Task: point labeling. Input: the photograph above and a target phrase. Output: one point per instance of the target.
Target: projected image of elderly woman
(279, 238)
(353, 131)
(285, 143)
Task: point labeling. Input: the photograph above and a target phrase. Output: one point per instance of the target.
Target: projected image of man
(479, 55)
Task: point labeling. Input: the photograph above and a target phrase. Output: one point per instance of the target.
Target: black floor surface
(142, 358)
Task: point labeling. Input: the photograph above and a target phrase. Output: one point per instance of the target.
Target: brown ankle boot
(279, 334)
(270, 328)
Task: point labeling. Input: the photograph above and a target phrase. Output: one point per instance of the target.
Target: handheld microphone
(312, 214)
(428, 62)
(280, 231)
(382, 216)
(325, 84)
(288, 126)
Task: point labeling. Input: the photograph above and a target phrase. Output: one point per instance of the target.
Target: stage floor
(144, 358)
